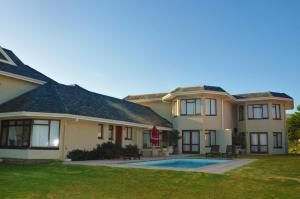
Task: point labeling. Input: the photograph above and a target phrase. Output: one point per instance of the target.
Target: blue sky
(134, 47)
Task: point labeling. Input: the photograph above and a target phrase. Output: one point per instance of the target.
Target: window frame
(186, 105)
(241, 112)
(100, 133)
(278, 145)
(210, 107)
(127, 137)
(255, 106)
(279, 107)
(208, 132)
(258, 145)
(30, 125)
(111, 132)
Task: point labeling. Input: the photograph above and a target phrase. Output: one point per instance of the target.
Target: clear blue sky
(133, 47)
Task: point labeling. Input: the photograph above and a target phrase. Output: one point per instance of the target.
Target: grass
(268, 177)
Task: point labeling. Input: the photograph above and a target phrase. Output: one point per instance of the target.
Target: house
(43, 119)
(208, 115)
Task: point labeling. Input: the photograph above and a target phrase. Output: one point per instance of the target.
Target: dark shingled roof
(145, 96)
(21, 69)
(262, 94)
(53, 97)
(193, 88)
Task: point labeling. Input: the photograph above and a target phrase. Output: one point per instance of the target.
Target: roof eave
(80, 117)
(21, 77)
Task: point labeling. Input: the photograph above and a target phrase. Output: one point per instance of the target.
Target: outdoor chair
(134, 155)
(230, 152)
(214, 151)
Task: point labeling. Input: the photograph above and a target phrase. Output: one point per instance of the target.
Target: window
(241, 113)
(30, 133)
(191, 107)
(15, 133)
(277, 140)
(258, 111)
(45, 133)
(258, 142)
(210, 138)
(128, 133)
(100, 133)
(146, 140)
(276, 111)
(111, 132)
(210, 107)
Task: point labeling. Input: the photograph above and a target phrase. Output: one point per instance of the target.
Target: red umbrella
(154, 136)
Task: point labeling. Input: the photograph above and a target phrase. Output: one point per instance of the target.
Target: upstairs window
(191, 107)
(128, 133)
(210, 107)
(241, 112)
(258, 111)
(276, 111)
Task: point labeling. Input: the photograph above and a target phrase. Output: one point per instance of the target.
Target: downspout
(222, 124)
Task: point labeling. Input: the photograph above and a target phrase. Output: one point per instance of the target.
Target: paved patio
(216, 168)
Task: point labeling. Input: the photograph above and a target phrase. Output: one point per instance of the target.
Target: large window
(191, 107)
(277, 140)
(210, 138)
(259, 142)
(45, 133)
(15, 133)
(276, 111)
(191, 141)
(210, 107)
(258, 111)
(30, 133)
(241, 112)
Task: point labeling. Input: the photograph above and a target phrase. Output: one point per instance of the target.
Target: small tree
(293, 126)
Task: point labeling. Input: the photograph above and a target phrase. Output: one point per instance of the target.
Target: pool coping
(219, 168)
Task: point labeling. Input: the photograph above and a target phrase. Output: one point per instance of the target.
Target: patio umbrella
(154, 139)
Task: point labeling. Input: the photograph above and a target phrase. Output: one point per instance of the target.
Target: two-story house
(208, 115)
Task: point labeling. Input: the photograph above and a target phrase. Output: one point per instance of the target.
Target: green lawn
(268, 177)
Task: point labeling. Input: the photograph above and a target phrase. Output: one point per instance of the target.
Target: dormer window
(4, 58)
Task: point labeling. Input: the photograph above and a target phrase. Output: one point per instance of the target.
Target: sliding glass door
(191, 141)
(259, 142)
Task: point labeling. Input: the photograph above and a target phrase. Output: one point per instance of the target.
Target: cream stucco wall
(11, 87)
(265, 125)
(164, 109)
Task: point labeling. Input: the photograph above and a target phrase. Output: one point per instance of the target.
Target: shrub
(107, 150)
(131, 149)
(77, 154)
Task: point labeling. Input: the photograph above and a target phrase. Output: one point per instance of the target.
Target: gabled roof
(20, 68)
(262, 94)
(58, 98)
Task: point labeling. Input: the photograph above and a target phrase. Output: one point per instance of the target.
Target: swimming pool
(179, 163)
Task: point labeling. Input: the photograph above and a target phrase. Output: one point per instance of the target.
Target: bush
(107, 150)
(131, 149)
(111, 150)
(77, 154)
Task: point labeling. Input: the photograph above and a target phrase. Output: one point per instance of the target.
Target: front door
(259, 142)
(190, 141)
(119, 135)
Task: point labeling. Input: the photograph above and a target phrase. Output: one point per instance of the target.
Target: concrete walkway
(216, 168)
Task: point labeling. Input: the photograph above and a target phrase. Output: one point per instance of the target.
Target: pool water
(179, 163)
